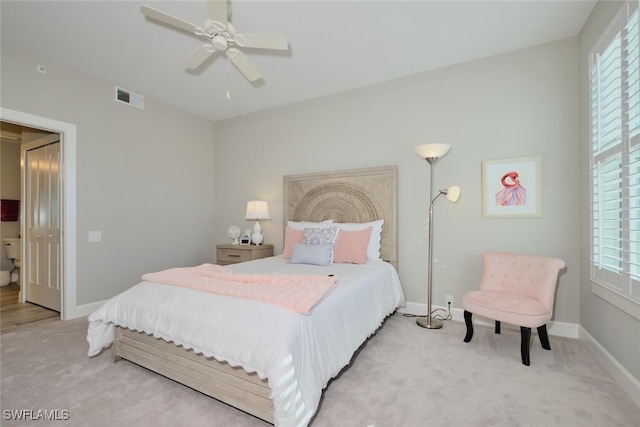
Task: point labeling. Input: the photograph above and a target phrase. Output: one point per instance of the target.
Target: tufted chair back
(532, 276)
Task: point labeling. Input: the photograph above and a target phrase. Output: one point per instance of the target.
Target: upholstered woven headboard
(356, 195)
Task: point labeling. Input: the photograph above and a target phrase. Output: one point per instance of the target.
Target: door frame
(67, 131)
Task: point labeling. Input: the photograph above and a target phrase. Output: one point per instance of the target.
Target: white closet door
(43, 226)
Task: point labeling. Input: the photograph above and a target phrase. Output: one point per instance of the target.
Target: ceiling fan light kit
(221, 37)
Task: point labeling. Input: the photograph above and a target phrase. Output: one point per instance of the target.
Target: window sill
(616, 299)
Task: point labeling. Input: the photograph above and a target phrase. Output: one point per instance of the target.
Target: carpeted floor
(404, 376)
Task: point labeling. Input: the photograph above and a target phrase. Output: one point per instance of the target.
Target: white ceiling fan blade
(247, 68)
(218, 11)
(152, 13)
(197, 58)
(263, 41)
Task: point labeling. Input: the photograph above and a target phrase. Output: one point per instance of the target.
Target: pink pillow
(291, 236)
(351, 246)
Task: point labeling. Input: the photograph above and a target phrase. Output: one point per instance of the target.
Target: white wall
(144, 178)
(522, 103)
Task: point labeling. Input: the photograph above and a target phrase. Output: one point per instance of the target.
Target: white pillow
(301, 225)
(311, 254)
(373, 248)
(320, 235)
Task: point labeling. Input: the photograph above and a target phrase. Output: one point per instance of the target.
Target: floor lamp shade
(452, 193)
(257, 210)
(432, 153)
(436, 151)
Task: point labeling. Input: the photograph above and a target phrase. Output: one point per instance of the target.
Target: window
(614, 72)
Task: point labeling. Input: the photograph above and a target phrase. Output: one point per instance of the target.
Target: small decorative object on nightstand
(246, 238)
(234, 232)
(233, 254)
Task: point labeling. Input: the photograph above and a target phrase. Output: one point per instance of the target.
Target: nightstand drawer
(233, 255)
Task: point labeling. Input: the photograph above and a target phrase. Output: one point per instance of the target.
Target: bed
(262, 358)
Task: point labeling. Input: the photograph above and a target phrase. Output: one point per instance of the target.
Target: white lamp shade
(453, 193)
(427, 151)
(257, 209)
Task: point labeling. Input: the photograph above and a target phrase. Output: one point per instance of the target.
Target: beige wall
(615, 330)
(9, 189)
(144, 178)
(522, 103)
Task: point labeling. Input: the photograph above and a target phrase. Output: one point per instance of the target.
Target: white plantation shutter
(632, 73)
(632, 90)
(634, 219)
(615, 156)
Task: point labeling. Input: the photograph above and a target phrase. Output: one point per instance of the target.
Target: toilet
(13, 251)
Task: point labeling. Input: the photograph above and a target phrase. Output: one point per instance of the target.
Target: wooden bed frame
(359, 195)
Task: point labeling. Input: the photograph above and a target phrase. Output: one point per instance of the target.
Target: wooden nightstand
(232, 254)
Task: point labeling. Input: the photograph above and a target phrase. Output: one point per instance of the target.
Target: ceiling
(334, 46)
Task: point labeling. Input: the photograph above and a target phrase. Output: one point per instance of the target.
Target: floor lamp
(432, 153)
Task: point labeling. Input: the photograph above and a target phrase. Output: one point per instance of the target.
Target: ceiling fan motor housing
(220, 36)
(219, 42)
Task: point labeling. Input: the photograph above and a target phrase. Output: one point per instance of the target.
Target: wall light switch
(95, 236)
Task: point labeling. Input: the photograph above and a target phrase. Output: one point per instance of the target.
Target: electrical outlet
(448, 300)
(95, 236)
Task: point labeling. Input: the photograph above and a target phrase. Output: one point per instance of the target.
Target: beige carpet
(404, 376)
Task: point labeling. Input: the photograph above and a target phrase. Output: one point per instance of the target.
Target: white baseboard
(86, 309)
(560, 329)
(619, 373)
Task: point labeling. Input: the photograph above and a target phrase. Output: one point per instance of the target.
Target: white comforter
(298, 353)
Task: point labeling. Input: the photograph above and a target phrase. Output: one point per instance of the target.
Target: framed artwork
(511, 188)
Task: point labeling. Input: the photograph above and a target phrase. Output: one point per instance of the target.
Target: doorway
(67, 167)
(32, 159)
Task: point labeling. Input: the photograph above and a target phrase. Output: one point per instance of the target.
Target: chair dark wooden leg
(467, 321)
(544, 338)
(497, 326)
(524, 346)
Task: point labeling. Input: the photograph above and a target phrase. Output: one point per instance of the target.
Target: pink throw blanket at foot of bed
(296, 292)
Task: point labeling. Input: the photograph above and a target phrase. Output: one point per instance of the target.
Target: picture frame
(511, 188)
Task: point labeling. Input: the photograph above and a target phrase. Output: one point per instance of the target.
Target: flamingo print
(513, 194)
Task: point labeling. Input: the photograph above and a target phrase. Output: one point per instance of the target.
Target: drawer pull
(234, 256)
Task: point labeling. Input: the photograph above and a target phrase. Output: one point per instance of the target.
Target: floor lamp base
(429, 323)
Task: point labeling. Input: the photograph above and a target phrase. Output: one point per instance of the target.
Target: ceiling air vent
(131, 98)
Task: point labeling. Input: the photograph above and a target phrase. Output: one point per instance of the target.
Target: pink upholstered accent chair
(516, 289)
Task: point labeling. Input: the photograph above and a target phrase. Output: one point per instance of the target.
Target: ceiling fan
(221, 36)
